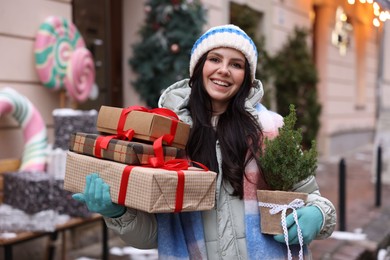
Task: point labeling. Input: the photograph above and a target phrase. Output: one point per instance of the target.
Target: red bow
(159, 111)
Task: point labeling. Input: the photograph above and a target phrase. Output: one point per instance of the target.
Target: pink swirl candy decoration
(55, 41)
(80, 74)
(34, 128)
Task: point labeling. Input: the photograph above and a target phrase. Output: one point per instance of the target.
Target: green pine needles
(283, 161)
(162, 55)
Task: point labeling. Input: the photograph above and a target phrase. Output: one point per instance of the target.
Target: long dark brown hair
(238, 131)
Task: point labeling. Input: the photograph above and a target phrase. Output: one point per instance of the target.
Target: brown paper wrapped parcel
(152, 190)
(147, 126)
(271, 223)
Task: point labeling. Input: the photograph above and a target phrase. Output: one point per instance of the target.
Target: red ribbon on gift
(124, 183)
(158, 160)
(179, 191)
(179, 187)
(103, 141)
(177, 165)
(158, 111)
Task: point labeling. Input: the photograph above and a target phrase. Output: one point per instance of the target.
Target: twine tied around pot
(293, 205)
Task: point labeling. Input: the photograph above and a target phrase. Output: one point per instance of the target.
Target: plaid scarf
(180, 235)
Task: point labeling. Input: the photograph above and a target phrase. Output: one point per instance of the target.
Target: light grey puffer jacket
(224, 226)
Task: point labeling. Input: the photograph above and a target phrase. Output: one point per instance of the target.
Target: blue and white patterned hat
(225, 36)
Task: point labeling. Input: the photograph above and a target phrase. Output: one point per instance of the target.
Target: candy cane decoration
(80, 75)
(34, 128)
(55, 41)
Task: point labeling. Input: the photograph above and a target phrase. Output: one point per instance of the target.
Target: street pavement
(366, 225)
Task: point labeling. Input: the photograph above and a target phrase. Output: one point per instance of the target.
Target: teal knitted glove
(97, 197)
(310, 221)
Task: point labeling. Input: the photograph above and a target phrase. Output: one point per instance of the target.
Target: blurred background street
(367, 225)
(330, 58)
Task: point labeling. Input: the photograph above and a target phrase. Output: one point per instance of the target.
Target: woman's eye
(237, 65)
(213, 59)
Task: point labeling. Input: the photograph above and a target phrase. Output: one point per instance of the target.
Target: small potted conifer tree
(284, 163)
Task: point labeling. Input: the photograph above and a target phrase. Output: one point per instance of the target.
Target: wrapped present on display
(143, 124)
(56, 162)
(67, 121)
(128, 152)
(148, 189)
(34, 192)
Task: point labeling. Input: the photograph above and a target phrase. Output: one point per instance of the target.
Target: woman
(221, 103)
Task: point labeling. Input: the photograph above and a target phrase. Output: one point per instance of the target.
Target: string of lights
(380, 10)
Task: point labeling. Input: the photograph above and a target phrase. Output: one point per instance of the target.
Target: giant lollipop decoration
(34, 128)
(80, 75)
(56, 39)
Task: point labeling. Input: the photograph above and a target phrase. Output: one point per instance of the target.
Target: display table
(21, 237)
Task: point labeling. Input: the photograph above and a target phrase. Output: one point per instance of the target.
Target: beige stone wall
(133, 15)
(285, 16)
(382, 137)
(385, 84)
(348, 101)
(19, 22)
(279, 17)
(347, 87)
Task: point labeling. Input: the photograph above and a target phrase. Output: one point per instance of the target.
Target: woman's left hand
(98, 199)
(310, 221)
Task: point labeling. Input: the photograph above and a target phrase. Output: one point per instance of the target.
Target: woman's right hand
(98, 199)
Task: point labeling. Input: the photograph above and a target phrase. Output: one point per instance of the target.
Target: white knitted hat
(225, 36)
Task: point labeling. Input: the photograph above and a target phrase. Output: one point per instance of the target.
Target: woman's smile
(221, 83)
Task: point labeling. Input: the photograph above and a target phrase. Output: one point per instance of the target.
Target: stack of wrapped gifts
(139, 153)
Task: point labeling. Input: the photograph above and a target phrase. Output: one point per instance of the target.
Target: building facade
(348, 48)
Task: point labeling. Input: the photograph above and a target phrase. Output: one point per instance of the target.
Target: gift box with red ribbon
(128, 152)
(173, 187)
(144, 124)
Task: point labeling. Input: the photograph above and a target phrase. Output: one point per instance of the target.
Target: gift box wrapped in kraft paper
(68, 121)
(127, 152)
(33, 192)
(154, 190)
(275, 205)
(147, 125)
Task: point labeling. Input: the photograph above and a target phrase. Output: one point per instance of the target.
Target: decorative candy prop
(80, 74)
(34, 129)
(55, 41)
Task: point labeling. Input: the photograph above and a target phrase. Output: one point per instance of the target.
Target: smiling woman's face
(223, 75)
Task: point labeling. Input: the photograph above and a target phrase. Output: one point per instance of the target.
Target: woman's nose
(224, 69)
